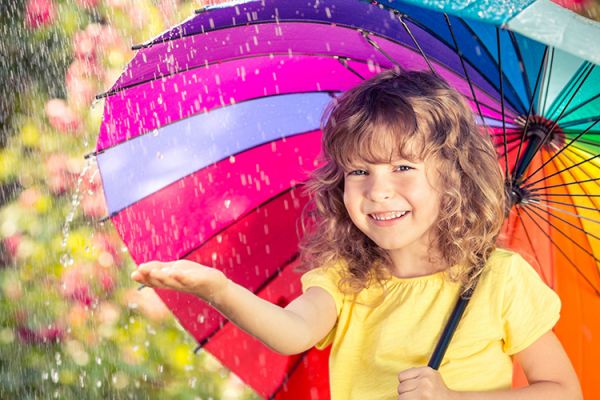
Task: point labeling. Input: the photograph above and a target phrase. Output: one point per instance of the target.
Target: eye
(357, 172)
(403, 168)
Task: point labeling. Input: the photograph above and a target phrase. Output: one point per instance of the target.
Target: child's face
(376, 195)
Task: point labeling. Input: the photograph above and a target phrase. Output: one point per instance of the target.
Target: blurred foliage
(72, 323)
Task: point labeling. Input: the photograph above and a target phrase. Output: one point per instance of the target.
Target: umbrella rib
(530, 111)
(586, 142)
(571, 160)
(567, 204)
(557, 153)
(565, 235)
(464, 67)
(549, 71)
(500, 74)
(484, 48)
(216, 62)
(531, 243)
(405, 26)
(532, 204)
(344, 62)
(377, 47)
(566, 155)
(510, 148)
(589, 72)
(513, 39)
(582, 104)
(578, 75)
(256, 291)
(562, 184)
(563, 253)
(541, 142)
(582, 121)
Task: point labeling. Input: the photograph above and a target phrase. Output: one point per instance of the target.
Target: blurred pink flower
(148, 303)
(84, 46)
(61, 117)
(29, 197)
(92, 202)
(110, 38)
(87, 3)
(11, 244)
(75, 283)
(81, 92)
(39, 13)
(49, 334)
(83, 69)
(106, 279)
(93, 205)
(59, 176)
(116, 3)
(105, 243)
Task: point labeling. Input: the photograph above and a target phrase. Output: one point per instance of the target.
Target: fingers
(410, 373)
(421, 383)
(155, 274)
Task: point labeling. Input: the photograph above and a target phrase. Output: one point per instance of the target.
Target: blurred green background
(72, 323)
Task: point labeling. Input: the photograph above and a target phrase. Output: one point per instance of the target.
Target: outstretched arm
(289, 330)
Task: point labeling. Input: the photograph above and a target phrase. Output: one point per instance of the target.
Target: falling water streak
(66, 259)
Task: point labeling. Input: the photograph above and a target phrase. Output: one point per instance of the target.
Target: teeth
(388, 216)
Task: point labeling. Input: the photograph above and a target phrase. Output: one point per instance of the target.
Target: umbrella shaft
(535, 137)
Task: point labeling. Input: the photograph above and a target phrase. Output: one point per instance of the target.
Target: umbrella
(213, 126)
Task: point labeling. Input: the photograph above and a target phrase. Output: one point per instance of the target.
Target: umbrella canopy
(213, 126)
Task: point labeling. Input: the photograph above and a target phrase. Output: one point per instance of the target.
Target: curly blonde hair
(422, 117)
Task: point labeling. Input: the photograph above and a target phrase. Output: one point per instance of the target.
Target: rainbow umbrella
(213, 126)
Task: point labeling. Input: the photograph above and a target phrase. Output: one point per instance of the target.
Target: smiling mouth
(388, 216)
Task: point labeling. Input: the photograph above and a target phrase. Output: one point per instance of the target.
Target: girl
(407, 208)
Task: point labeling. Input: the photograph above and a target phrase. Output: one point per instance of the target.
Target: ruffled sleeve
(326, 278)
(530, 307)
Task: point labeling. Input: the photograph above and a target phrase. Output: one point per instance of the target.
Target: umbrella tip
(141, 287)
(90, 155)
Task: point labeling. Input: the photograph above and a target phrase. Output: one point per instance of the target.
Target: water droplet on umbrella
(227, 203)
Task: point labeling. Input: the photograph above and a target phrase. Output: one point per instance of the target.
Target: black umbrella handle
(442, 345)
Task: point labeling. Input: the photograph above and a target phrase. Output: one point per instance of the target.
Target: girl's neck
(410, 265)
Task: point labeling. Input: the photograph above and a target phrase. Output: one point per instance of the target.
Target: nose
(378, 188)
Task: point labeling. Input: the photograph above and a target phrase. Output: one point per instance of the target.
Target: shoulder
(506, 262)
(327, 276)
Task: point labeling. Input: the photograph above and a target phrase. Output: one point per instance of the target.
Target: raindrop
(66, 260)
(227, 203)
(54, 375)
(159, 155)
(155, 132)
